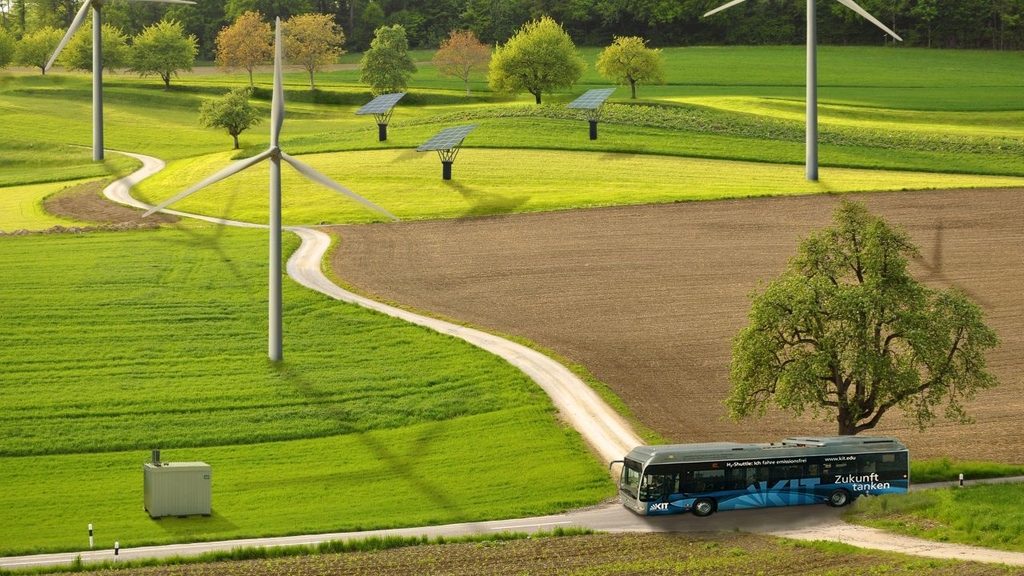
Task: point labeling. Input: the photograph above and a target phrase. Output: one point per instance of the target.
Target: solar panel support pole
(382, 124)
(446, 169)
(593, 129)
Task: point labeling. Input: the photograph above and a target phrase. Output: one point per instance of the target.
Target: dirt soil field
(648, 298)
(86, 203)
(626, 554)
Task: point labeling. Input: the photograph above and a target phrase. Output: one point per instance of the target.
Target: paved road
(608, 434)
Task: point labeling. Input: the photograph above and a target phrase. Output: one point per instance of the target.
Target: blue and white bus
(704, 478)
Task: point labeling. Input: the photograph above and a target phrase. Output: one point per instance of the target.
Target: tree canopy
(232, 112)
(35, 48)
(245, 44)
(77, 55)
(387, 66)
(628, 62)
(846, 332)
(7, 47)
(460, 55)
(163, 49)
(313, 41)
(539, 58)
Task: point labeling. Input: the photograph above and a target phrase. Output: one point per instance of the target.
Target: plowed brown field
(648, 298)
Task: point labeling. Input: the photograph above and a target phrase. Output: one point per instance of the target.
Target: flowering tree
(461, 54)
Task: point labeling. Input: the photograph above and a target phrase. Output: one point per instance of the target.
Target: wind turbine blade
(722, 7)
(312, 174)
(229, 171)
(83, 13)
(864, 13)
(277, 103)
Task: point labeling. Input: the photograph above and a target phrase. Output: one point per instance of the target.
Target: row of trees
(985, 24)
(162, 49)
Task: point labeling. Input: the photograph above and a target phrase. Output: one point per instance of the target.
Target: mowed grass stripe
(88, 368)
(487, 181)
(505, 464)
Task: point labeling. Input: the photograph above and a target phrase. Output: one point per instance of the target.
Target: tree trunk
(467, 88)
(235, 136)
(536, 95)
(632, 87)
(311, 85)
(167, 81)
(251, 85)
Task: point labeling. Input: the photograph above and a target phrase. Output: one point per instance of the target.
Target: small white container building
(177, 488)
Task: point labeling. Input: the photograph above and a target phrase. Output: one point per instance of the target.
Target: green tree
(77, 55)
(163, 49)
(628, 62)
(387, 66)
(7, 47)
(233, 112)
(460, 55)
(35, 48)
(245, 44)
(273, 9)
(313, 41)
(539, 58)
(846, 332)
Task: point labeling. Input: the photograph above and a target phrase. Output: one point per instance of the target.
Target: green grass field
(369, 422)
(983, 515)
(117, 343)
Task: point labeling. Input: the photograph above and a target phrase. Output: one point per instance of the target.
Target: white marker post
(90, 536)
(961, 480)
(117, 548)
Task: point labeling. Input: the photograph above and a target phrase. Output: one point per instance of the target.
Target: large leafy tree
(233, 112)
(245, 44)
(460, 55)
(35, 48)
(846, 332)
(313, 41)
(628, 62)
(7, 47)
(387, 66)
(163, 49)
(539, 58)
(77, 55)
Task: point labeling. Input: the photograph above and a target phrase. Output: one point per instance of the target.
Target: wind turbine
(97, 64)
(812, 73)
(275, 155)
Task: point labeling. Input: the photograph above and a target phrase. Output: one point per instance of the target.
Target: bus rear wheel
(703, 507)
(838, 498)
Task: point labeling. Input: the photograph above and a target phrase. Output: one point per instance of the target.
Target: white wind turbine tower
(275, 155)
(97, 64)
(812, 73)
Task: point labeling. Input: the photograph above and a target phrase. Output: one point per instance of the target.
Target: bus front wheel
(839, 498)
(703, 507)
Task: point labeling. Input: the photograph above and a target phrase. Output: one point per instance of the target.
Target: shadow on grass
(211, 238)
(486, 204)
(399, 459)
(196, 527)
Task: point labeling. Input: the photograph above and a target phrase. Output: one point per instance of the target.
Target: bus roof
(788, 447)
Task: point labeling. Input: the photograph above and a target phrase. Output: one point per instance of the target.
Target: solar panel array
(447, 139)
(592, 98)
(381, 104)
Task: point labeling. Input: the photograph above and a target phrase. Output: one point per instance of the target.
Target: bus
(705, 478)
